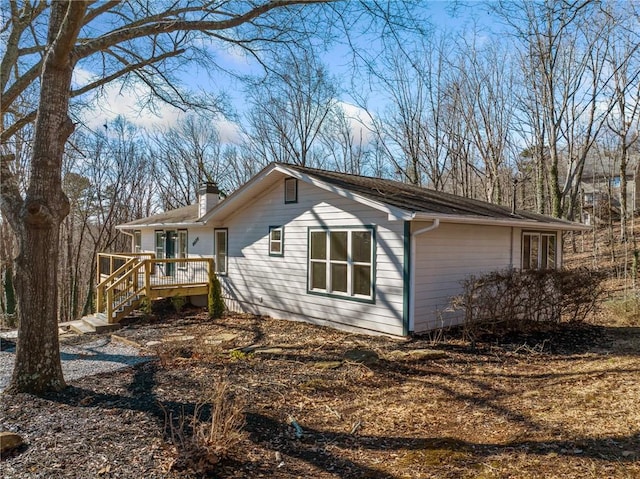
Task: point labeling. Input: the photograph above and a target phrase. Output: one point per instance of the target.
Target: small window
(341, 262)
(276, 241)
(221, 251)
(182, 248)
(137, 241)
(290, 190)
(539, 251)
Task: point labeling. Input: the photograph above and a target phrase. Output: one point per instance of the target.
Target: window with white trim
(341, 262)
(539, 250)
(276, 241)
(221, 248)
(182, 247)
(160, 237)
(137, 241)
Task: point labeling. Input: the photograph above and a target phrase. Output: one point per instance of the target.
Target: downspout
(412, 282)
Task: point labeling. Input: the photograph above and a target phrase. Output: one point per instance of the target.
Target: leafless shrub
(202, 441)
(515, 300)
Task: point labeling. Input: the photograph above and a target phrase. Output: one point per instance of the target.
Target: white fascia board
(158, 225)
(395, 214)
(520, 223)
(236, 197)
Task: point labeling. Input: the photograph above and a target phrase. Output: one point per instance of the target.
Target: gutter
(412, 281)
(520, 223)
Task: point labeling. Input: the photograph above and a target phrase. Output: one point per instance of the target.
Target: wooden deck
(126, 279)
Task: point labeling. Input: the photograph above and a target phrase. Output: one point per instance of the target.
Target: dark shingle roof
(417, 199)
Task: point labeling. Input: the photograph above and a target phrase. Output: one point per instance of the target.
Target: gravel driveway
(86, 358)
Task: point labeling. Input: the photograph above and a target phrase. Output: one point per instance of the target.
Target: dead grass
(208, 435)
(559, 403)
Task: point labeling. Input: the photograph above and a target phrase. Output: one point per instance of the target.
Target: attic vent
(290, 190)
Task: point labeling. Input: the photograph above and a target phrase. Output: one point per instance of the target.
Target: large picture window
(539, 250)
(221, 249)
(341, 262)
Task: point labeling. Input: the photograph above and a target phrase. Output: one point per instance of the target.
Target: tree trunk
(623, 192)
(38, 218)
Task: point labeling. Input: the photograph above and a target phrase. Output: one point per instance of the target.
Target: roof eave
(158, 225)
(520, 223)
(395, 214)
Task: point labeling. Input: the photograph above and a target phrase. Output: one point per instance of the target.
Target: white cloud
(229, 131)
(359, 121)
(114, 101)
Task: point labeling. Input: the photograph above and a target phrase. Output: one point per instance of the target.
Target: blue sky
(117, 101)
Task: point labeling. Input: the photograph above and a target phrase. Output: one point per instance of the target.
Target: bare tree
(185, 156)
(624, 91)
(414, 123)
(563, 67)
(345, 142)
(485, 88)
(143, 38)
(290, 109)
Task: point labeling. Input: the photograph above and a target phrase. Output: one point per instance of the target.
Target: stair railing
(124, 293)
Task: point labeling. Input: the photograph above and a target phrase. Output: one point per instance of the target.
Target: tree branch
(10, 199)
(128, 69)
(169, 26)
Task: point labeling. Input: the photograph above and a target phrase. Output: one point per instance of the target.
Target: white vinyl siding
(448, 255)
(263, 284)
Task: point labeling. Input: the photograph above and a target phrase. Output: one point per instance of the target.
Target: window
(221, 251)
(290, 190)
(160, 244)
(538, 251)
(137, 241)
(341, 262)
(276, 241)
(182, 247)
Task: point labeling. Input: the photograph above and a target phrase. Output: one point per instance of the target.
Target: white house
(348, 251)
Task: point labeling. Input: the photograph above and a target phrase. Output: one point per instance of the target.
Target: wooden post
(110, 305)
(99, 298)
(148, 264)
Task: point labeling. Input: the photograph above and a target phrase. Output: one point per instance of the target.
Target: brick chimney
(208, 197)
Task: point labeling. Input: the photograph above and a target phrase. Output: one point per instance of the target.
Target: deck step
(99, 324)
(93, 324)
(81, 327)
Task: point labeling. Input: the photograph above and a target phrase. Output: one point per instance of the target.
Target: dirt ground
(562, 403)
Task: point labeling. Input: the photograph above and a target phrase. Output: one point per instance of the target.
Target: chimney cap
(208, 187)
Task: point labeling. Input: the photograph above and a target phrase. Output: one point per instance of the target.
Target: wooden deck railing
(124, 279)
